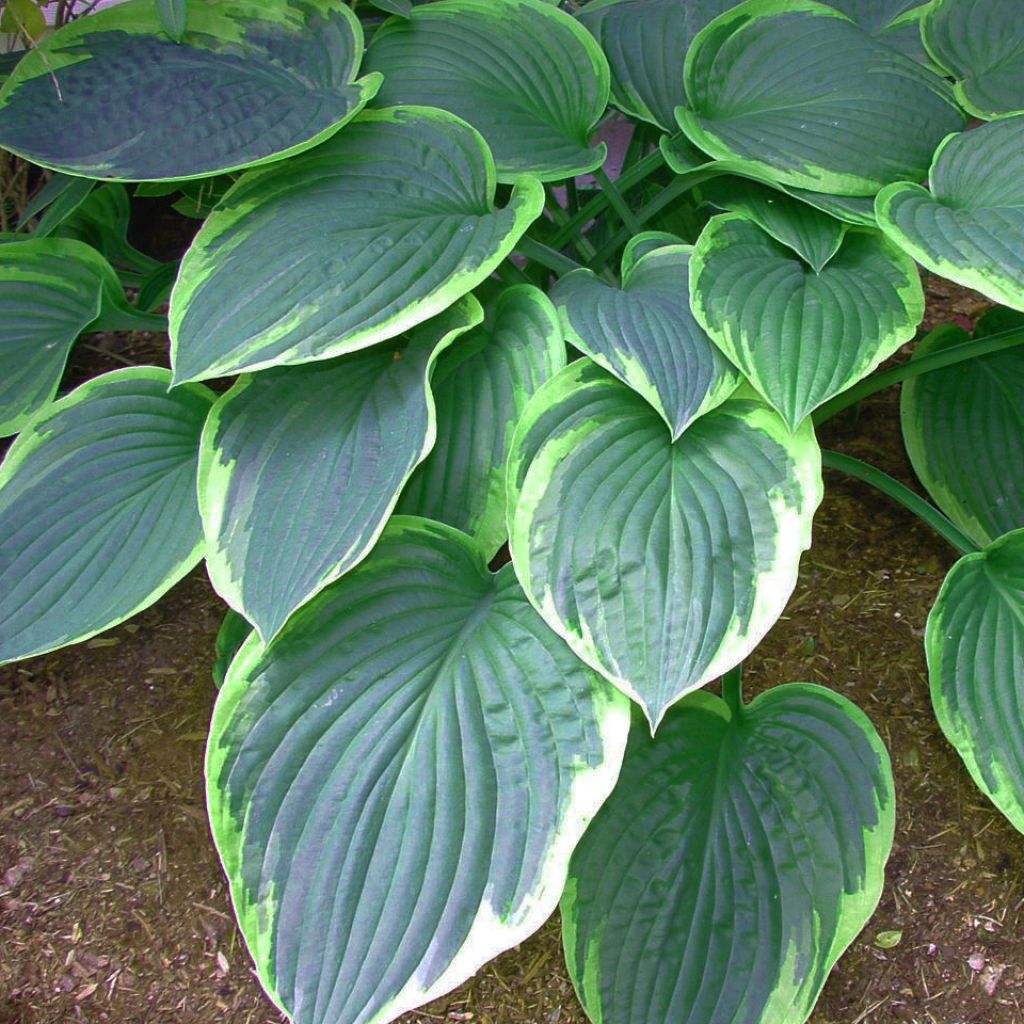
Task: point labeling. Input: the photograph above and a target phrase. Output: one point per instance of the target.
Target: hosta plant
(499, 441)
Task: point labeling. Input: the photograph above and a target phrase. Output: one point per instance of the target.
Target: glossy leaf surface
(800, 336)
(645, 333)
(110, 96)
(481, 387)
(397, 782)
(981, 44)
(50, 291)
(735, 861)
(970, 226)
(799, 89)
(964, 430)
(380, 228)
(301, 466)
(975, 646)
(526, 75)
(691, 548)
(98, 513)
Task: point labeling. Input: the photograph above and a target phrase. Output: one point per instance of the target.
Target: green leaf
(380, 228)
(645, 333)
(110, 96)
(739, 855)
(970, 226)
(51, 290)
(98, 513)
(799, 336)
(397, 782)
(980, 43)
(101, 220)
(403, 8)
(964, 430)
(23, 18)
(859, 210)
(481, 387)
(172, 15)
(643, 41)
(807, 94)
(897, 23)
(530, 79)
(691, 548)
(58, 198)
(813, 235)
(974, 641)
(233, 632)
(300, 467)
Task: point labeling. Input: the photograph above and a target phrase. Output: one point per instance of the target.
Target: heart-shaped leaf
(799, 336)
(380, 228)
(803, 91)
(644, 41)
(739, 855)
(51, 290)
(691, 548)
(981, 44)
(975, 646)
(813, 235)
(970, 226)
(964, 430)
(645, 333)
(301, 466)
(397, 782)
(481, 387)
(897, 23)
(528, 77)
(110, 96)
(98, 513)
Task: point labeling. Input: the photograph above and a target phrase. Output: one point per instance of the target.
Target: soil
(113, 907)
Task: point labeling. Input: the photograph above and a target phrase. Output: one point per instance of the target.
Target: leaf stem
(732, 690)
(545, 256)
(640, 170)
(618, 204)
(903, 495)
(933, 361)
(128, 319)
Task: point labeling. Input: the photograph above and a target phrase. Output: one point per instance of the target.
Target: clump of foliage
(450, 326)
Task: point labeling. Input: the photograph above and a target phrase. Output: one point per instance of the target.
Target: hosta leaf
(811, 234)
(50, 291)
(964, 430)
(397, 782)
(799, 336)
(481, 387)
(101, 220)
(739, 855)
(644, 41)
(233, 632)
(859, 210)
(645, 334)
(172, 17)
(975, 646)
(110, 96)
(798, 88)
(970, 226)
(380, 228)
(981, 44)
(896, 23)
(98, 513)
(55, 200)
(301, 466)
(524, 74)
(403, 8)
(690, 548)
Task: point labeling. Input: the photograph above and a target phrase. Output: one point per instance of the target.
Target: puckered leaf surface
(975, 647)
(110, 96)
(380, 228)
(98, 511)
(735, 861)
(970, 226)
(396, 783)
(800, 89)
(690, 548)
(526, 75)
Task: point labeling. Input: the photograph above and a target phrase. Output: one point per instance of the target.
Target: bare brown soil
(112, 903)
